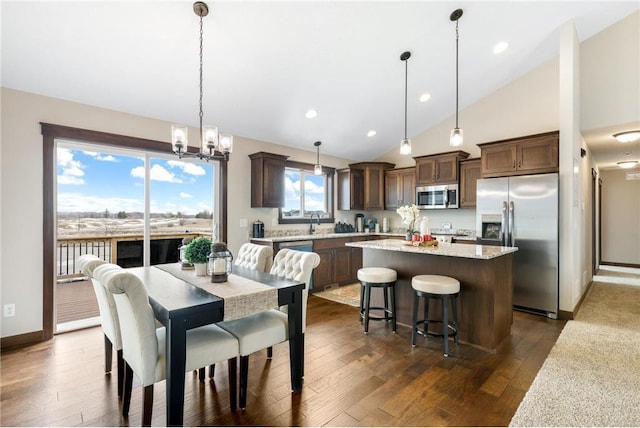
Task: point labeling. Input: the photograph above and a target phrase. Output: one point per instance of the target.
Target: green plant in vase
(197, 253)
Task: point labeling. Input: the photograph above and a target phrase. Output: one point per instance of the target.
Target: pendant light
(405, 145)
(317, 168)
(456, 138)
(212, 145)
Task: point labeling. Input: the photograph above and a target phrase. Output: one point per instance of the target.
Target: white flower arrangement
(409, 214)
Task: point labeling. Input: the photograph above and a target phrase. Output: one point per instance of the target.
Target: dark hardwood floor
(350, 380)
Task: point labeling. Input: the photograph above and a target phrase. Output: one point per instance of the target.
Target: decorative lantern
(220, 262)
(184, 263)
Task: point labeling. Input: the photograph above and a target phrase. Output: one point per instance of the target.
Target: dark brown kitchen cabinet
(267, 180)
(323, 274)
(438, 169)
(361, 186)
(469, 175)
(399, 187)
(533, 154)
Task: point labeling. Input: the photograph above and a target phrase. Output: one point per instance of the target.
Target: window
(307, 194)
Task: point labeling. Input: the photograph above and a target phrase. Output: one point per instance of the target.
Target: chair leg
(393, 308)
(361, 313)
(108, 346)
(120, 362)
(414, 329)
(244, 380)
(270, 352)
(201, 373)
(233, 382)
(454, 307)
(147, 405)
(128, 384)
(212, 371)
(445, 324)
(367, 303)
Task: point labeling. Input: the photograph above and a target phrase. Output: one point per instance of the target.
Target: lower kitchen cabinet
(339, 264)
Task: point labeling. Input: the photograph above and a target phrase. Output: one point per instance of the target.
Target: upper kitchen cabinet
(469, 174)
(267, 180)
(399, 187)
(533, 154)
(361, 186)
(438, 169)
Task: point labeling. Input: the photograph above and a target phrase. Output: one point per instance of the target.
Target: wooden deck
(75, 301)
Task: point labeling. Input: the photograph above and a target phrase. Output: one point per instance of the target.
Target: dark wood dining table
(180, 306)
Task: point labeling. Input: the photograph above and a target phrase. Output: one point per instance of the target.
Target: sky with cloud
(89, 181)
(313, 190)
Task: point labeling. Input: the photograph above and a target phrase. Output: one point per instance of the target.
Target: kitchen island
(486, 283)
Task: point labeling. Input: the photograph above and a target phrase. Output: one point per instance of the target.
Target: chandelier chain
(201, 114)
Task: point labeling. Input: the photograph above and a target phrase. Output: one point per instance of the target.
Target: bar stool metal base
(389, 312)
(451, 329)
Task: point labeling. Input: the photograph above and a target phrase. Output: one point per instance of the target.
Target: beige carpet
(592, 374)
(347, 294)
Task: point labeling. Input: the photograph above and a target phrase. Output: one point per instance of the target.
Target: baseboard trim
(630, 265)
(569, 315)
(21, 340)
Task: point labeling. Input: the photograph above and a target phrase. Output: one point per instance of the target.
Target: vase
(201, 269)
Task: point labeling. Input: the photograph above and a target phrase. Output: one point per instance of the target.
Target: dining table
(182, 301)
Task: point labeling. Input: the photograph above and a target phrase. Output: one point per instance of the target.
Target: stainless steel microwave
(435, 197)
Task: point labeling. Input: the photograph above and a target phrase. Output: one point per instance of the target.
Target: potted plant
(197, 253)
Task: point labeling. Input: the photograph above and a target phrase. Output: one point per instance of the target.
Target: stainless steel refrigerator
(522, 212)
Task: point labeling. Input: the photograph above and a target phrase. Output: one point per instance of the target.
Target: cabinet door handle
(520, 163)
(514, 164)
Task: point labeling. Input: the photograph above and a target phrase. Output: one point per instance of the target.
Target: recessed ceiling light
(371, 133)
(500, 47)
(425, 97)
(627, 136)
(311, 113)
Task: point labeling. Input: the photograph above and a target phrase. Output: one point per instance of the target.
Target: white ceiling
(266, 63)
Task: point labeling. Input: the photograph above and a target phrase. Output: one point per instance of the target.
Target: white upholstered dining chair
(94, 267)
(254, 256)
(143, 345)
(265, 329)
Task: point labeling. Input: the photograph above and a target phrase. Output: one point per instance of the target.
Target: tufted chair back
(298, 266)
(139, 340)
(106, 304)
(256, 257)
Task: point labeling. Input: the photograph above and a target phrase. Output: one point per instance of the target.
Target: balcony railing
(124, 250)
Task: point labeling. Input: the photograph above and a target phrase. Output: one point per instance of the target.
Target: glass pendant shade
(209, 139)
(317, 169)
(405, 147)
(179, 138)
(225, 143)
(456, 138)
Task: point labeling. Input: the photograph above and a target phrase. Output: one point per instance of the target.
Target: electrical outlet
(9, 310)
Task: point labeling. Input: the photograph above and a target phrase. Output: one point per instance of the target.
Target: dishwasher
(300, 246)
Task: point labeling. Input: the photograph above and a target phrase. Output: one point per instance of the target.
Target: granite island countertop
(289, 238)
(468, 251)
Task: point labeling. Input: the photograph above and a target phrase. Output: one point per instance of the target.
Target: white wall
(620, 217)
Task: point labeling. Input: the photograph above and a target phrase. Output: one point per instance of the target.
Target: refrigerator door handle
(503, 224)
(512, 240)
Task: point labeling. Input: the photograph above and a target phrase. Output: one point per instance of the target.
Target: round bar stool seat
(377, 277)
(445, 289)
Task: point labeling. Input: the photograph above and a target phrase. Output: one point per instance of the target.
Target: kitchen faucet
(311, 222)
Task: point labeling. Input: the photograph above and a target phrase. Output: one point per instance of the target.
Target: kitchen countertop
(467, 251)
(307, 237)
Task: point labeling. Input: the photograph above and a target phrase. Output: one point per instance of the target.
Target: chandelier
(213, 146)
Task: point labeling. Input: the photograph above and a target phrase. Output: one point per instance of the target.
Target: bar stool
(445, 289)
(377, 277)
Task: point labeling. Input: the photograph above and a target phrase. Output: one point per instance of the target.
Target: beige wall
(21, 189)
(620, 217)
(610, 75)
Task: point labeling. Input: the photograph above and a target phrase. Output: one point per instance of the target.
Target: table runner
(242, 296)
